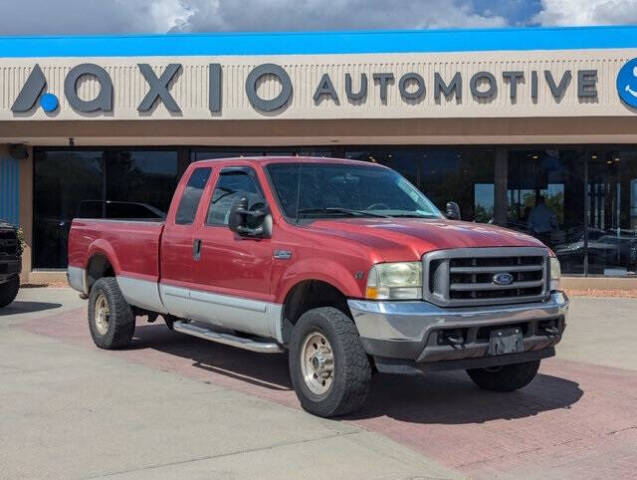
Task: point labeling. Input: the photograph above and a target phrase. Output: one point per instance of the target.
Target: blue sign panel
(627, 83)
(9, 194)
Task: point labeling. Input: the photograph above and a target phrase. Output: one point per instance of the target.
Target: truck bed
(136, 243)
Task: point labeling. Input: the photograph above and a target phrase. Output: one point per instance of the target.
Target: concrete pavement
(178, 407)
(72, 412)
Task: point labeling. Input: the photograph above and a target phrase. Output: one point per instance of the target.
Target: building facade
(497, 120)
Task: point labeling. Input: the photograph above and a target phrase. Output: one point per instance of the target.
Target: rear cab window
(191, 197)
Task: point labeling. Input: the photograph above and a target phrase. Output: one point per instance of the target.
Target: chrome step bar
(260, 346)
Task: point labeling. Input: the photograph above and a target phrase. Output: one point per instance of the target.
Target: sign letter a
(30, 91)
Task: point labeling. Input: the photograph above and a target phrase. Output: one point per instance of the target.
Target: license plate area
(506, 340)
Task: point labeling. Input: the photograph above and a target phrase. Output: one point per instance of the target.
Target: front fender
(327, 271)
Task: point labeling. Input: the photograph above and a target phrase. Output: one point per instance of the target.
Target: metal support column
(501, 186)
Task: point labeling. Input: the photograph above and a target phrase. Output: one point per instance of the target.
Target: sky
(55, 17)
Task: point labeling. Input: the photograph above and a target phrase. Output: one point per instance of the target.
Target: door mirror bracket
(452, 212)
(245, 222)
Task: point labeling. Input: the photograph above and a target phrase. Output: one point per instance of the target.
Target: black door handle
(196, 249)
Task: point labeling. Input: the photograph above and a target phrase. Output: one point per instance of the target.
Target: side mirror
(247, 223)
(453, 211)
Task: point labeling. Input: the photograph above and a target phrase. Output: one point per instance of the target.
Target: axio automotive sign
(483, 86)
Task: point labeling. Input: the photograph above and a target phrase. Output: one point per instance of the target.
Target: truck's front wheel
(505, 378)
(110, 318)
(330, 371)
(9, 290)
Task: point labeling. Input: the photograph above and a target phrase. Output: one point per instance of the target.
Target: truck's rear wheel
(330, 370)
(505, 378)
(110, 318)
(9, 290)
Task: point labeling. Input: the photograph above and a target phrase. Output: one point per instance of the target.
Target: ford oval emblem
(503, 279)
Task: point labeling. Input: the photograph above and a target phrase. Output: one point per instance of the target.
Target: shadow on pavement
(27, 307)
(264, 370)
(452, 398)
(437, 398)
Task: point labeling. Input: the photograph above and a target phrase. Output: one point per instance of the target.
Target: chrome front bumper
(418, 331)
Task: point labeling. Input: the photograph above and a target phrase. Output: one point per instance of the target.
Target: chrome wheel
(102, 313)
(317, 363)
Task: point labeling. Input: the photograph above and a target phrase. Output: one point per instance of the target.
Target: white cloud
(264, 15)
(28, 17)
(587, 12)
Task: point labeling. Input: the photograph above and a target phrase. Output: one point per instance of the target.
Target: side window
(192, 194)
(232, 185)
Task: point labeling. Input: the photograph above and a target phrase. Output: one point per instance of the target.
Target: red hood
(405, 239)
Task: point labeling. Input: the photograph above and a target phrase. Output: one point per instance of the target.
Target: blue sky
(47, 17)
(517, 12)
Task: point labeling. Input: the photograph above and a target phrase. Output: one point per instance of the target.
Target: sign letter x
(158, 87)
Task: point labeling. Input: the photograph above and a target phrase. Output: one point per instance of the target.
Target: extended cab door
(178, 248)
(233, 272)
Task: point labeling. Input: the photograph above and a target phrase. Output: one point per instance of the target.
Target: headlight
(555, 274)
(395, 281)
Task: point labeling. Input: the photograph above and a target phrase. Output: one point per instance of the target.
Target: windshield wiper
(347, 211)
(413, 215)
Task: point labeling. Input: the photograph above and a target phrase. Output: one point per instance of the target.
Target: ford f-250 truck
(344, 264)
(10, 263)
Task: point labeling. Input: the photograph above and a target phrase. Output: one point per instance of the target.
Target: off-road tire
(352, 371)
(9, 290)
(506, 378)
(121, 321)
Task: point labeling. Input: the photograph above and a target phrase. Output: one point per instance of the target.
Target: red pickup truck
(345, 264)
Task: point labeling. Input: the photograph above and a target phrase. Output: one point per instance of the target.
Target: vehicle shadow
(260, 369)
(18, 307)
(436, 398)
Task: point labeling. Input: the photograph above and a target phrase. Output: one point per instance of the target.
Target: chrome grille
(485, 276)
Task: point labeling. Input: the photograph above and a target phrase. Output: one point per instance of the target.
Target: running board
(260, 346)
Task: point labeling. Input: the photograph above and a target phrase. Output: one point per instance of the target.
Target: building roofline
(318, 43)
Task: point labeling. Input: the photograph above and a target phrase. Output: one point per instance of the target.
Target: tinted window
(463, 175)
(191, 196)
(62, 180)
(231, 186)
(546, 199)
(141, 176)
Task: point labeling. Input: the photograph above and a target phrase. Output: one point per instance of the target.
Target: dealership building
(495, 120)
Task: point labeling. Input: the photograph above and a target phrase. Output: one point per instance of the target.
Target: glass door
(612, 213)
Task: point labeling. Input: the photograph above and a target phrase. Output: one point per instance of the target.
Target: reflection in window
(483, 200)
(612, 242)
(443, 175)
(546, 199)
(211, 154)
(189, 202)
(230, 187)
(142, 176)
(78, 183)
(62, 180)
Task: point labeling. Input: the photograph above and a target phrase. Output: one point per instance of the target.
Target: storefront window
(72, 183)
(546, 200)
(142, 176)
(612, 213)
(445, 174)
(582, 201)
(208, 154)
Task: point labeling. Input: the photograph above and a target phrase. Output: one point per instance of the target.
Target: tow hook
(552, 330)
(455, 341)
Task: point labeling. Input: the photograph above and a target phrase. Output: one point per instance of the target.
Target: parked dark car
(10, 263)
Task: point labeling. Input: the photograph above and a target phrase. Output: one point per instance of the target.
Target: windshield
(329, 190)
